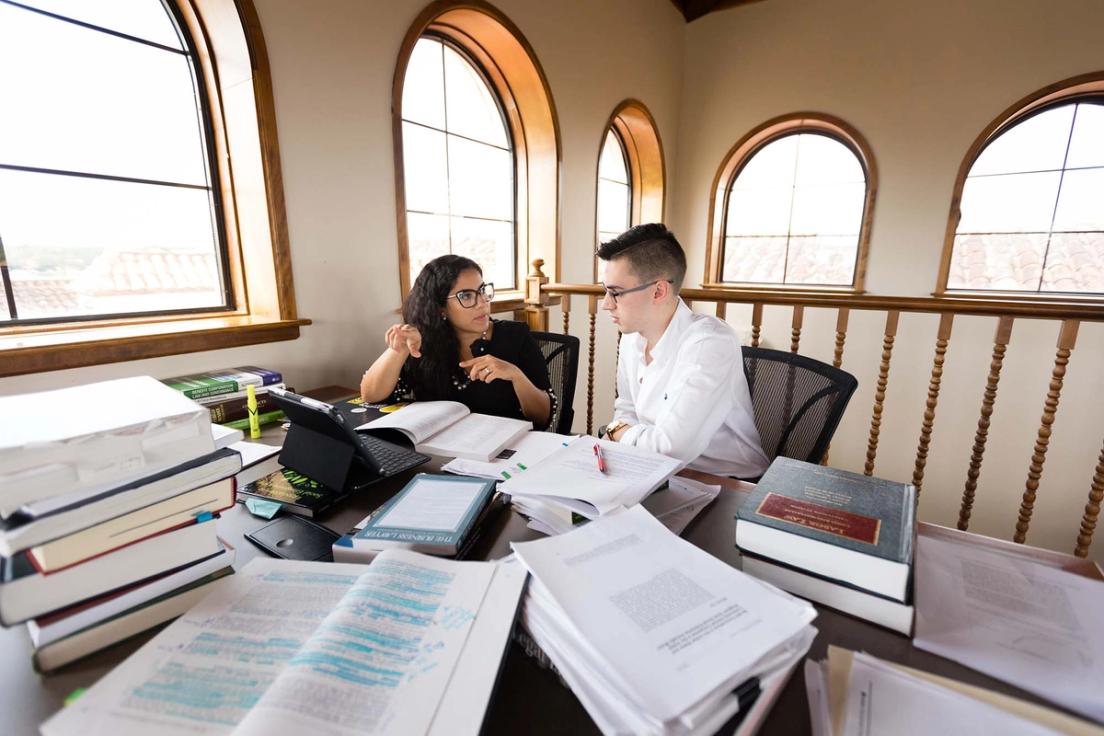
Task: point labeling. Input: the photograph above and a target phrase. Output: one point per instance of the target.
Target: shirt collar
(668, 341)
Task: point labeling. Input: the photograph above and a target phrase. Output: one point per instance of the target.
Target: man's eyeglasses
(615, 293)
(468, 298)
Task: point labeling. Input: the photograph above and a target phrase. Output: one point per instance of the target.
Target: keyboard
(392, 459)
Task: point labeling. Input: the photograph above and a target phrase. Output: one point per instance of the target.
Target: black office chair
(798, 402)
(561, 352)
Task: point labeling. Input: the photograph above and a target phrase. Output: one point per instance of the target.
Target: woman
(449, 348)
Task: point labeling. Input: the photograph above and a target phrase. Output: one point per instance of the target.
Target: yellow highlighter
(251, 406)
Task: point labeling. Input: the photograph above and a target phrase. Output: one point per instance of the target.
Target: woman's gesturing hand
(404, 339)
(488, 368)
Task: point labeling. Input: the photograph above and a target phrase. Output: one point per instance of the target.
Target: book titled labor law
(448, 429)
(833, 523)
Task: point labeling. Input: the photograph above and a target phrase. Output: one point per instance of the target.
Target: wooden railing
(541, 294)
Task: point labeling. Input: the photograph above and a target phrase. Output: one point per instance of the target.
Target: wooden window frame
(232, 59)
(733, 162)
(1065, 91)
(636, 129)
(488, 38)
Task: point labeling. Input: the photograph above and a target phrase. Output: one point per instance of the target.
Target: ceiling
(694, 9)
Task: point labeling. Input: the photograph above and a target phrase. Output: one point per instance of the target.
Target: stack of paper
(568, 485)
(654, 635)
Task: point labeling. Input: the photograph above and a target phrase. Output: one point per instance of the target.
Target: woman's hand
(488, 368)
(404, 339)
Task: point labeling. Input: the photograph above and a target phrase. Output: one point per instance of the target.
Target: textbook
(432, 514)
(216, 383)
(279, 648)
(450, 429)
(832, 523)
(296, 492)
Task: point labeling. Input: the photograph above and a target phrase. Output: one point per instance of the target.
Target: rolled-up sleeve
(700, 396)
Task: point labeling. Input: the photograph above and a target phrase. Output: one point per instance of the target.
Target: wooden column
(592, 308)
(1067, 338)
(1092, 510)
(616, 362)
(756, 323)
(795, 327)
(536, 302)
(565, 307)
(1000, 345)
(879, 393)
(722, 310)
(837, 358)
(942, 337)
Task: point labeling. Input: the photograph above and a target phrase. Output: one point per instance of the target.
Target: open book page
(475, 436)
(572, 472)
(420, 420)
(518, 457)
(202, 673)
(1013, 618)
(882, 699)
(675, 624)
(382, 659)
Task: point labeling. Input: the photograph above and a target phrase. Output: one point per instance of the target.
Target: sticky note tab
(263, 509)
(204, 516)
(73, 696)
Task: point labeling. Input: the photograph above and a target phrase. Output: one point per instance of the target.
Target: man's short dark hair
(652, 251)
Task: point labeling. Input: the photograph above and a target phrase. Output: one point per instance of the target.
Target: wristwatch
(614, 426)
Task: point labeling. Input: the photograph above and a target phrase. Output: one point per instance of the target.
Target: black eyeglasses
(468, 298)
(615, 293)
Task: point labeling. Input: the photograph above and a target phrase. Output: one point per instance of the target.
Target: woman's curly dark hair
(431, 376)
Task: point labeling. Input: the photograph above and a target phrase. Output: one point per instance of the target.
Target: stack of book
(838, 538)
(223, 392)
(106, 512)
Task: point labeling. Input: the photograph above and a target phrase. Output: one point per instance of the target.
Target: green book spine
(202, 386)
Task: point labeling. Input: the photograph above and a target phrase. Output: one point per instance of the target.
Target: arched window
(458, 164)
(476, 147)
(141, 196)
(1029, 218)
(792, 207)
(631, 172)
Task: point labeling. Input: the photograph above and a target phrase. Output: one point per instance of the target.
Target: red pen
(601, 460)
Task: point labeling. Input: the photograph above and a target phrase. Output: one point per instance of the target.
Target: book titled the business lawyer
(298, 493)
(833, 523)
(432, 514)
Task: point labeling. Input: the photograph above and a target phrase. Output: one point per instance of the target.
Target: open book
(409, 644)
(450, 429)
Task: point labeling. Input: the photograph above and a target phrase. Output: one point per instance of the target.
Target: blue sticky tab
(345, 541)
(262, 508)
(204, 516)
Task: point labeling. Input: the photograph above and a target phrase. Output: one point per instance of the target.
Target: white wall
(919, 81)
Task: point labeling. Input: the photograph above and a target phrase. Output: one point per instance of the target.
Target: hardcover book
(298, 493)
(833, 523)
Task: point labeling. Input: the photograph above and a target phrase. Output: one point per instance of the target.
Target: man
(680, 379)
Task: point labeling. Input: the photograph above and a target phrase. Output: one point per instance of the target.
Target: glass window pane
(763, 211)
(1081, 201)
(145, 19)
(835, 209)
(771, 166)
(428, 237)
(91, 102)
(1075, 263)
(758, 260)
(824, 160)
(424, 85)
(1087, 144)
(481, 180)
(613, 206)
(80, 246)
(488, 243)
(611, 164)
(826, 260)
(1009, 203)
(425, 171)
(472, 108)
(1008, 262)
(1036, 144)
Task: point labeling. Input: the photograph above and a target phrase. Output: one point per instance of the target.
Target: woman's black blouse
(509, 341)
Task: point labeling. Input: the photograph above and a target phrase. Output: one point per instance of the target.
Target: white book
(450, 429)
(54, 443)
(278, 648)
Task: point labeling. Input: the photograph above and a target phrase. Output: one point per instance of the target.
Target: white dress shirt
(692, 401)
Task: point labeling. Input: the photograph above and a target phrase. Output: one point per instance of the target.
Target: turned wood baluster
(722, 310)
(1067, 338)
(837, 358)
(1092, 510)
(879, 394)
(942, 337)
(1000, 345)
(616, 363)
(756, 323)
(795, 327)
(565, 306)
(593, 309)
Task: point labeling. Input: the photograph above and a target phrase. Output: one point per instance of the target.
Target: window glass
(614, 189)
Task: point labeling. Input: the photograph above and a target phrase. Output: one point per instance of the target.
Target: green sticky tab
(73, 696)
(505, 475)
(262, 508)
(522, 466)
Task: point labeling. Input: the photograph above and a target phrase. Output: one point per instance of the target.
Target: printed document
(1014, 618)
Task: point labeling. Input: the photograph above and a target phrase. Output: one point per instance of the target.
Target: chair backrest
(798, 402)
(561, 352)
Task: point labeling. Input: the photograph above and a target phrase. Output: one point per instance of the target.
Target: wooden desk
(529, 699)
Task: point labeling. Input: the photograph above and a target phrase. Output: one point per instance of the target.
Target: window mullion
(1057, 198)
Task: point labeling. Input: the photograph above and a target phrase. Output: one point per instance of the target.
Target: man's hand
(404, 339)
